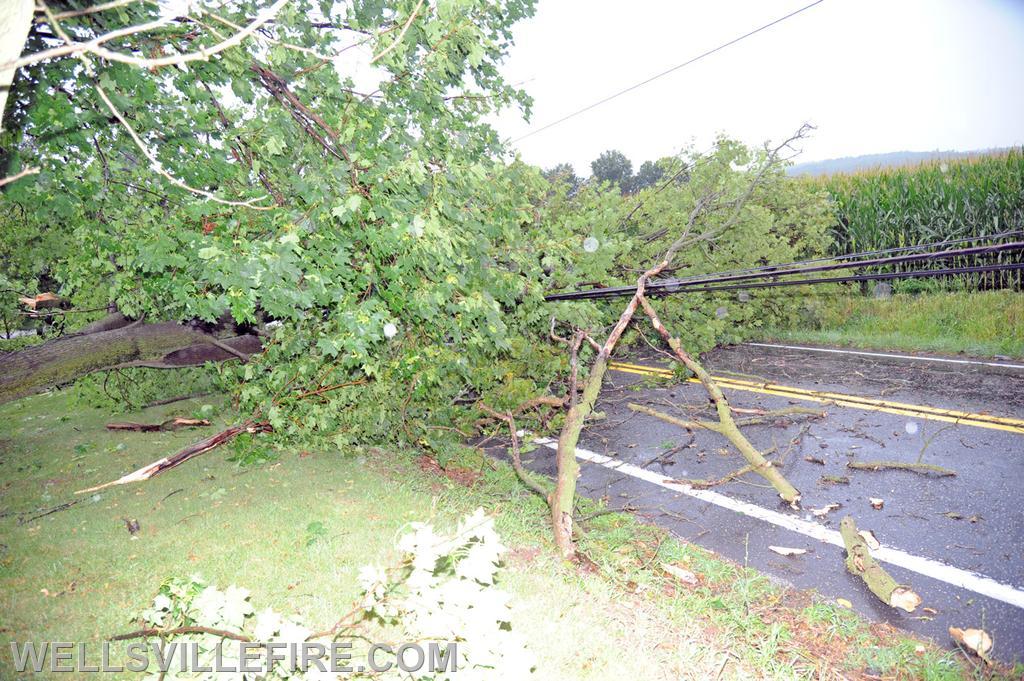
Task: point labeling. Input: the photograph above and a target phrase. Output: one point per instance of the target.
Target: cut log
(169, 424)
(193, 450)
(860, 563)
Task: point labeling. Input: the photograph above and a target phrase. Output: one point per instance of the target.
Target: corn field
(932, 202)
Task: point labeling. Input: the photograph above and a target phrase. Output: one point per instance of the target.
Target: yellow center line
(904, 409)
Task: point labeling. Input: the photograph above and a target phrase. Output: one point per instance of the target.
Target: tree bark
(165, 345)
(880, 582)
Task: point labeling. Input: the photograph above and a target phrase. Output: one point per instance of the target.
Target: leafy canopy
(371, 229)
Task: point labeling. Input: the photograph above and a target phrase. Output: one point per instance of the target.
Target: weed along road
(958, 540)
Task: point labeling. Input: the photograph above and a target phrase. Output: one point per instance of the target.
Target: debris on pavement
(860, 563)
(869, 539)
(786, 551)
(975, 640)
(922, 468)
(824, 510)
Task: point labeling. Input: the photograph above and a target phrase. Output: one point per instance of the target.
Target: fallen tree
(703, 225)
(407, 270)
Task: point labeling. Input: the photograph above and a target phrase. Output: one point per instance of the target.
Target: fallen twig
(168, 496)
(56, 509)
(697, 483)
(922, 468)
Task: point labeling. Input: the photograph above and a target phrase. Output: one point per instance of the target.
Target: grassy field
(984, 324)
(296, 531)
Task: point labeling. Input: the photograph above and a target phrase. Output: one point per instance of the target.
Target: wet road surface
(958, 541)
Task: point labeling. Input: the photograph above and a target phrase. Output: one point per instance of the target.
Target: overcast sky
(872, 75)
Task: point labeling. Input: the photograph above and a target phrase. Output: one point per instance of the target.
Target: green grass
(983, 324)
(296, 531)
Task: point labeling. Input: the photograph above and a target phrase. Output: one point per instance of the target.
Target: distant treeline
(890, 159)
(931, 202)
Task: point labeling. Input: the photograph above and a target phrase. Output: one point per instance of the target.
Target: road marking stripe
(884, 403)
(919, 411)
(888, 355)
(966, 579)
(660, 371)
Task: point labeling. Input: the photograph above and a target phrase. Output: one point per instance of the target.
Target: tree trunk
(165, 345)
(564, 495)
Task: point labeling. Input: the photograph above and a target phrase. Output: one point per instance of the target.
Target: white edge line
(891, 356)
(972, 581)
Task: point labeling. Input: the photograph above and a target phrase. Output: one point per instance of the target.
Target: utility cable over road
(768, 276)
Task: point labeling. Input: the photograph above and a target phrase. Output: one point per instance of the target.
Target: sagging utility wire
(861, 254)
(774, 272)
(912, 274)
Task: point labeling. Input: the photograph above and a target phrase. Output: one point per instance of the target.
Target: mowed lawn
(296, 531)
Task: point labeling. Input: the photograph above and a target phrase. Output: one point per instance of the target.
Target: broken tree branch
(698, 483)
(112, 343)
(156, 166)
(726, 425)
(193, 450)
(401, 34)
(17, 176)
(517, 462)
(682, 423)
(860, 563)
(95, 48)
(169, 424)
(163, 633)
(922, 468)
(50, 511)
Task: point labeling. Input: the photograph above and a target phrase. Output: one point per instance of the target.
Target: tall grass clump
(931, 202)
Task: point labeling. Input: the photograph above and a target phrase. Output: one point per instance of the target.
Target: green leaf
(209, 252)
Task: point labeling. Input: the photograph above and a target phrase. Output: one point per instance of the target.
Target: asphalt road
(958, 541)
